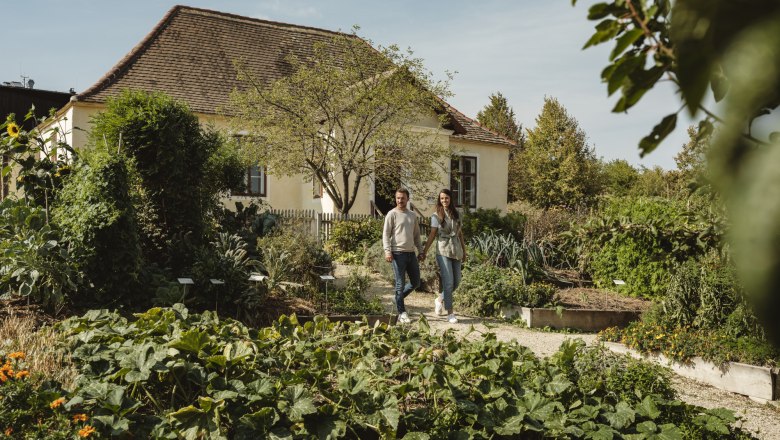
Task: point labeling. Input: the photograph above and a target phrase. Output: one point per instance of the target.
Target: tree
(180, 166)
(344, 115)
(499, 117)
(619, 177)
(557, 167)
(732, 49)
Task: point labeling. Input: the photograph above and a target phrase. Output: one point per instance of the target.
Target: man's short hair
(403, 190)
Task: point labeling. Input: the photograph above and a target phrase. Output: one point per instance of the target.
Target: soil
(587, 298)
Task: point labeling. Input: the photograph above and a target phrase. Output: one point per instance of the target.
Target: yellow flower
(660, 336)
(12, 129)
(86, 431)
(80, 418)
(57, 403)
(21, 374)
(16, 355)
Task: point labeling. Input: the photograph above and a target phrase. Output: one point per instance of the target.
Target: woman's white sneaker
(403, 318)
(438, 308)
(452, 319)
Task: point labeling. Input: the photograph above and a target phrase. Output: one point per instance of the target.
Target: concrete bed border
(591, 320)
(758, 383)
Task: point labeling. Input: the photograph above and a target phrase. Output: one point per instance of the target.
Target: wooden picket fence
(320, 224)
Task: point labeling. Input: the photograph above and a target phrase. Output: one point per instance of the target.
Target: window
(256, 182)
(463, 181)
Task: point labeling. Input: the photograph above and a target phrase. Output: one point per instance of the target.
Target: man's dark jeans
(405, 263)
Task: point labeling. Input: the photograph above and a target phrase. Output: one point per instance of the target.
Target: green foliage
(482, 220)
(484, 290)
(557, 167)
(225, 259)
(640, 241)
(177, 164)
(619, 177)
(683, 343)
(352, 299)
(598, 370)
(28, 411)
(527, 258)
(176, 374)
(34, 263)
(40, 159)
(294, 255)
(350, 238)
(95, 211)
(731, 49)
(342, 84)
(500, 117)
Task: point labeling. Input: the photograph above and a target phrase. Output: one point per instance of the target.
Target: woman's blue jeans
(450, 278)
(405, 263)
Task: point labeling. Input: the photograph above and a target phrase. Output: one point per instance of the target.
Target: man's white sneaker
(403, 318)
(452, 319)
(438, 307)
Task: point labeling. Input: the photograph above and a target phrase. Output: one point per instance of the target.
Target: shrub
(526, 257)
(349, 239)
(351, 299)
(32, 409)
(485, 290)
(298, 255)
(225, 259)
(482, 220)
(619, 377)
(640, 241)
(34, 263)
(96, 214)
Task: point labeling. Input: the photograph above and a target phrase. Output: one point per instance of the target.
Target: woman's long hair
(450, 210)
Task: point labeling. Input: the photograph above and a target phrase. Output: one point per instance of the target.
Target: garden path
(761, 419)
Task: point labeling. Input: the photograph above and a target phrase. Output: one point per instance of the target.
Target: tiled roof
(190, 53)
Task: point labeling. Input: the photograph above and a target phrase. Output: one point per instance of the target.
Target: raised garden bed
(582, 309)
(759, 383)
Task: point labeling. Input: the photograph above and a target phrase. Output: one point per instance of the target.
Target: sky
(525, 49)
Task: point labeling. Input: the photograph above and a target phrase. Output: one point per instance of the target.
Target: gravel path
(761, 419)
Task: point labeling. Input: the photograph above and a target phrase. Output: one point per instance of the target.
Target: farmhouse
(190, 55)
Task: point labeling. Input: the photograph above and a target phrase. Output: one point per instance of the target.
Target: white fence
(320, 224)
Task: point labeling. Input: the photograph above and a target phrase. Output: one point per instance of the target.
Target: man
(401, 237)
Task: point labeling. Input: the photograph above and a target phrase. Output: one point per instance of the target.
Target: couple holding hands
(401, 238)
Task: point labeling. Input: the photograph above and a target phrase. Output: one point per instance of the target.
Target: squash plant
(168, 373)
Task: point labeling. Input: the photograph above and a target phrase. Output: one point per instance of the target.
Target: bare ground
(760, 418)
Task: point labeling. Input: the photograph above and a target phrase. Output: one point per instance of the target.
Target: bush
(225, 259)
(32, 408)
(619, 377)
(294, 255)
(640, 241)
(96, 214)
(485, 290)
(482, 220)
(34, 263)
(352, 300)
(349, 239)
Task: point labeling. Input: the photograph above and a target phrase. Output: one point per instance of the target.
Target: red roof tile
(190, 53)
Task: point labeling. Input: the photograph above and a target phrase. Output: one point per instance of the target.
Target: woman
(450, 251)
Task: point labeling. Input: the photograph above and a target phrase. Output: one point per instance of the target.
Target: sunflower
(12, 129)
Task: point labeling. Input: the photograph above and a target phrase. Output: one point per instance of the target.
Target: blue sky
(526, 49)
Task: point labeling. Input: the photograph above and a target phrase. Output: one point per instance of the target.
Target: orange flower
(3, 377)
(9, 431)
(57, 403)
(86, 431)
(21, 374)
(80, 418)
(16, 355)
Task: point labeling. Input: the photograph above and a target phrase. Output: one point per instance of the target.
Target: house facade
(190, 55)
